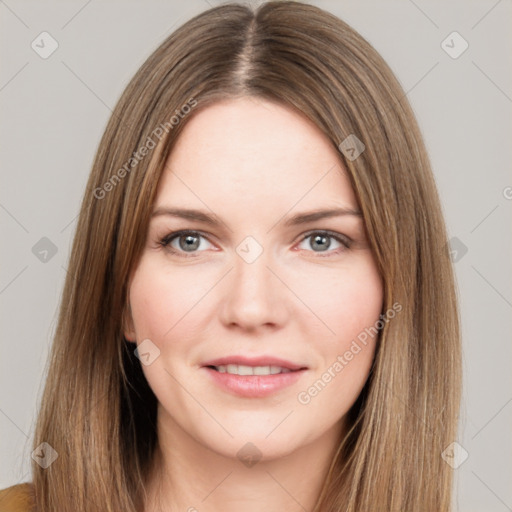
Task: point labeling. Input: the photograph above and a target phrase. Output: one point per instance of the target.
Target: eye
(188, 243)
(322, 241)
(182, 242)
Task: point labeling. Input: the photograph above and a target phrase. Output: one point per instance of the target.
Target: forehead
(258, 150)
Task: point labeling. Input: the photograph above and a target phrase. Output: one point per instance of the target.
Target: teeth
(243, 370)
(232, 368)
(261, 370)
(274, 370)
(239, 369)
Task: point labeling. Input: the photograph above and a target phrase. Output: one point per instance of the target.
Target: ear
(127, 324)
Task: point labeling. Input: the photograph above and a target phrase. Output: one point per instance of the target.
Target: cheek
(161, 300)
(346, 300)
(350, 308)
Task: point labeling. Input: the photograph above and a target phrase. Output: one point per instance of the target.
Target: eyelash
(342, 239)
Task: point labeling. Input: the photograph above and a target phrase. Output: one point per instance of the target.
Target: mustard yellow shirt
(18, 498)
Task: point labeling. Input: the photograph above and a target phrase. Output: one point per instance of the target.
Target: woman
(260, 310)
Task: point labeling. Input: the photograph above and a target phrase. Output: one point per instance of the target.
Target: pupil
(321, 239)
(191, 242)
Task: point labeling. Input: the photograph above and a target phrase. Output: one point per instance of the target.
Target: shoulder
(18, 498)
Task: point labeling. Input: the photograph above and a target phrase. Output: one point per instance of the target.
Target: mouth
(253, 377)
(239, 369)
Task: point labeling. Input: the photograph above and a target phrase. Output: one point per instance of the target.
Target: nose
(253, 297)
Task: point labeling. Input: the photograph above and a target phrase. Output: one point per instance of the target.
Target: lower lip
(254, 386)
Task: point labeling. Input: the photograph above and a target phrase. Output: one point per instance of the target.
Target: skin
(253, 164)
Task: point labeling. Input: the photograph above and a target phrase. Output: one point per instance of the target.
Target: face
(247, 305)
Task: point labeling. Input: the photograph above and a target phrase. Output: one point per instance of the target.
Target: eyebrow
(296, 220)
(304, 218)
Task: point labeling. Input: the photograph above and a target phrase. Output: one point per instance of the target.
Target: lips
(253, 377)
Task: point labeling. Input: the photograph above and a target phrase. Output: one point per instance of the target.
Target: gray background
(54, 111)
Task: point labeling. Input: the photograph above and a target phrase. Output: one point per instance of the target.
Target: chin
(251, 442)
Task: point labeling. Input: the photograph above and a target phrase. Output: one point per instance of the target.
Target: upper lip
(254, 361)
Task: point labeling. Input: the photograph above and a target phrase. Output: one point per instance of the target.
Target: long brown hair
(97, 410)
